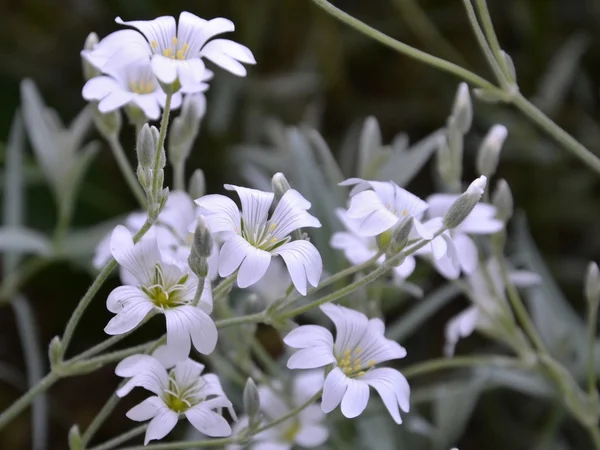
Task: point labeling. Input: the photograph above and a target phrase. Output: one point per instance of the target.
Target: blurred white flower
(250, 239)
(359, 249)
(359, 345)
(163, 286)
(133, 84)
(174, 49)
(181, 391)
(481, 315)
(461, 253)
(304, 430)
(377, 206)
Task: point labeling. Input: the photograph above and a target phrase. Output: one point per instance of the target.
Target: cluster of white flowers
(165, 272)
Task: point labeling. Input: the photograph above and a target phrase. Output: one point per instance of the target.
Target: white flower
(274, 284)
(132, 84)
(173, 232)
(359, 249)
(162, 286)
(250, 239)
(462, 252)
(482, 314)
(181, 391)
(379, 205)
(359, 345)
(175, 50)
(304, 430)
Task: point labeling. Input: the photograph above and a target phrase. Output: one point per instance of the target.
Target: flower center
(142, 86)
(290, 433)
(164, 296)
(350, 363)
(176, 51)
(180, 398)
(261, 237)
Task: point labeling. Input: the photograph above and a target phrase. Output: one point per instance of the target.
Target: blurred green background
(311, 69)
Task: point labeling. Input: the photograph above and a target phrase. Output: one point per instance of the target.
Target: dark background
(309, 65)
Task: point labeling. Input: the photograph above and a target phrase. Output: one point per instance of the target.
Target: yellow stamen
(372, 363)
(404, 212)
(154, 44)
(174, 40)
(186, 47)
(168, 53)
(180, 54)
(360, 374)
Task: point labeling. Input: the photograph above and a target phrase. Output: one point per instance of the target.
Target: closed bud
(146, 147)
(445, 167)
(54, 351)
(75, 442)
(203, 241)
(462, 110)
(383, 240)
(252, 403)
(400, 234)
(108, 124)
(89, 70)
(185, 128)
(592, 285)
(489, 96)
(197, 186)
(280, 185)
(464, 204)
(456, 145)
(502, 199)
(144, 177)
(489, 150)
(510, 65)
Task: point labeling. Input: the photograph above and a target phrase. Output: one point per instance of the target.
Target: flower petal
(99, 87)
(232, 254)
(309, 336)
(334, 389)
(393, 389)
(311, 435)
(129, 317)
(374, 217)
(468, 256)
(303, 262)
(355, 399)
(114, 100)
(149, 374)
(405, 269)
(118, 49)
(221, 213)
(159, 32)
(311, 358)
(164, 68)
(185, 322)
(350, 326)
(254, 266)
(460, 326)
(356, 248)
(208, 422)
(148, 103)
(139, 259)
(146, 410)
(161, 425)
(123, 295)
(290, 214)
(255, 206)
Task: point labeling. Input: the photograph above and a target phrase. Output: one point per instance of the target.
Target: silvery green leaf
(348, 149)
(330, 167)
(404, 165)
(424, 309)
(79, 127)
(525, 381)
(368, 145)
(225, 95)
(69, 186)
(452, 410)
(13, 183)
(560, 73)
(400, 142)
(80, 244)
(24, 240)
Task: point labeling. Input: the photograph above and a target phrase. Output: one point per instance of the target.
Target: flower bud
(54, 351)
(201, 249)
(108, 124)
(75, 438)
(280, 186)
(510, 65)
(445, 166)
(464, 204)
(400, 234)
(252, 403)
(197, 186)
(146, 147)
(184, 128)
(502, 199)
(489, 96)
(592, 284)
(489, 150)
(89, 70)
(462, 110)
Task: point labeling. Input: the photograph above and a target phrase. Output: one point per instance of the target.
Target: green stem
(62, 223)
(17, 278)
(179, 175)
(407, 50)
(113, 443)
(250, 318)
(592, 327)
(110, 357)
(160, 143)
(91, 292)
(434, 365)
(560, 135)
(25, 400)
(224, 286)
(490, 33)
(199, 290)
(126, 169)
(291, 414)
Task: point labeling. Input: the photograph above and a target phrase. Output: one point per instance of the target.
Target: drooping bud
(502, 199)
(280, 186)
(464, 204)
(592, 285)
(252, 403)
(75, 442)
(146, 147)
(89, 70)
(400, 234)
(197, 186)
(489, 150)
(108, 124)
(201, 249)
(462, 110)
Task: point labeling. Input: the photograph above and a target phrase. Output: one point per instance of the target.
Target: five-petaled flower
(131, 85)
(304, 430)
(180, 391)
(359, 345)
(251, 238)
(163, 286)
(174, 49)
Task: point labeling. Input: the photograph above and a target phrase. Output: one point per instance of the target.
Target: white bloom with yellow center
(359, 345)
(163, 286)
(133, 84)
(251, 238)
(179, 392)
(175, 49)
